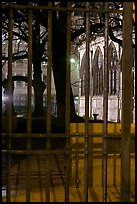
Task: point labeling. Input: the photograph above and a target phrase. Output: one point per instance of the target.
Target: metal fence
(10, 134)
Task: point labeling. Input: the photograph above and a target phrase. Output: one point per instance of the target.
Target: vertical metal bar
(87, 87)
(105, 106)
(90, 156)
(114, 169)
(67, 180)
(118, 91)
(77, 161)
(111, 82)
(79, 77)
(91, 83)
(132, 104)
(40, 178)
(9, 114)
(29, 115)
(126, 101)
(49, 102)
(67, 124)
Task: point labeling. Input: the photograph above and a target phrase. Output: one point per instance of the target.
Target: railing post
(126, 101)
(48, 141)
(29, 109)
(9, 108)
(67, 116)
(87, 87)
(105, 106)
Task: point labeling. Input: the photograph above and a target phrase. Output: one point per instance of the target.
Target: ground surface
(76, 194)
(57, 172)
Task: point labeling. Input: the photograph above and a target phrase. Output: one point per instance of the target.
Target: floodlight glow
(72, 60)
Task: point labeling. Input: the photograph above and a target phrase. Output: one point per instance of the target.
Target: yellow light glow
(134, 10)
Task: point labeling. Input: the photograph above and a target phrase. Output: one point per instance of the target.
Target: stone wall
(96, 106)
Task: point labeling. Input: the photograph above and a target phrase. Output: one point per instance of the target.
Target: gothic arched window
(98, 72)
(82, 75)
(113, 71)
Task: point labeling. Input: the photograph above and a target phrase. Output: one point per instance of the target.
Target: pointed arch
(98, 72)
(113, 69)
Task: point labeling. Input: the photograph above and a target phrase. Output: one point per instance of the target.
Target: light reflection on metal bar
(126, 101)
(105, 107)
(87, 87)
(48, 145)
(29, 117)
(9, 108)
(67, 121)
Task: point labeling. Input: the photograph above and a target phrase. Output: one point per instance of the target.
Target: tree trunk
(59, 56)
(39, 87)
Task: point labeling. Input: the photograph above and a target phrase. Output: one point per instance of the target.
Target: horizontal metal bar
(21, 135)
(14, 135)
(61, 152)
(32, 152)
(33, 7)
(39, 152)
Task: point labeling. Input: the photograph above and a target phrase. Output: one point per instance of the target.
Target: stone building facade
(96, 81)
